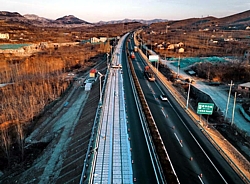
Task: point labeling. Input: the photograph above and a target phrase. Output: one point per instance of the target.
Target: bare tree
(6, 140)
(20, 137)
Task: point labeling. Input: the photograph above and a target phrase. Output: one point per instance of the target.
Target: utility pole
(107, 60)
(188, 94)
(178, 69)
(228, 99)
(233, 108)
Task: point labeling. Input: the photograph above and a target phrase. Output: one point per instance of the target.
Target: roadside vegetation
(35, 83)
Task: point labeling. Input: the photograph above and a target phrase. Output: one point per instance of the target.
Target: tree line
(33, 83)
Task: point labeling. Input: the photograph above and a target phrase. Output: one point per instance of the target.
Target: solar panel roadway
(113, 162)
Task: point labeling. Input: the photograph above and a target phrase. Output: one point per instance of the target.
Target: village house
(244, 89)
(94, 40)
(97, 40)
(171, 47)
(4, 36)
(247, 55)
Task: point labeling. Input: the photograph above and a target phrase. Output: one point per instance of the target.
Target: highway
(121, 152)
(182, 138)
(143, 169)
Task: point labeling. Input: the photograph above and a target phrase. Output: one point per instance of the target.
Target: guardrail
(93, 144)
(167, 167)
(154, 158)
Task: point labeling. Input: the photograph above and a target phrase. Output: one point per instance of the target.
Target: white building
(103, 39)
(247, 55)
(4, 36)
(244, 89)
(94, 40)
(97, 40)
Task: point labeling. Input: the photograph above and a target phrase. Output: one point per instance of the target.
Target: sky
(105, 10)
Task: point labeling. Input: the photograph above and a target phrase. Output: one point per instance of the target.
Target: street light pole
(100, 78)
(233, 109)
(107, 60)
(157, 66)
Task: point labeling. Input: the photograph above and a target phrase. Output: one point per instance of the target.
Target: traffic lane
(142, 166)
(231, 176)
(180, 160)
(220, 163)
(151, 92)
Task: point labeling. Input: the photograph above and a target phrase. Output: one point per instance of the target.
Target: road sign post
(153, 58)
(205, 108)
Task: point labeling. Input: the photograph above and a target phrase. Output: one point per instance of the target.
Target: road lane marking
(178, 139)
(200, 179)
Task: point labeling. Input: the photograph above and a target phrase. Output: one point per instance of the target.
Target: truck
(135, 48)
(132, 55)
(148, 72)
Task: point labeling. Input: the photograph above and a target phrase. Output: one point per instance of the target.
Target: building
(244, 89)
(171, 47)
(97, 40)
(181, 50)
(92, 73)
(94, 40)
(4, 36)
(103, 39)
(247, 55)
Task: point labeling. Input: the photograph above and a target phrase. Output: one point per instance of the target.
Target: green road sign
(153, 58)
(205, 108)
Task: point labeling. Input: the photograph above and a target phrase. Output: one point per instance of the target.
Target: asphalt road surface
(183, 139)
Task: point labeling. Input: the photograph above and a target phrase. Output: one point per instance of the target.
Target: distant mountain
(66, 21)
(236, 21)
(70, 19)
(131, 20)
(36, 20)
(31, 19)
(12, 17)
(5, 14)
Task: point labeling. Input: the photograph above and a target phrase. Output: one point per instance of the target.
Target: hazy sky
(97, 10)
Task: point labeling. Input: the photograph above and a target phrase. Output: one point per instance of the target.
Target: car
(163, 97)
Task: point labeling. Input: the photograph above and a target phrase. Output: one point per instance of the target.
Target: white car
(163, 97)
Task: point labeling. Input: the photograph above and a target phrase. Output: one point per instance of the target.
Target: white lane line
(178, 139)
(200, 179)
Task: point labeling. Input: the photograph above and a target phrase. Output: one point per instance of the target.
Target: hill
(13, 18)
(235, 21)
(142, 21)
(65, 21)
